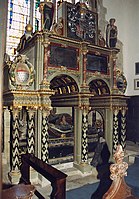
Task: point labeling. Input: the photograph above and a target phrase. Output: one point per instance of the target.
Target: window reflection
(19, 12)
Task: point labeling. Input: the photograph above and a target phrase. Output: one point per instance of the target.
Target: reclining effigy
(119, 189)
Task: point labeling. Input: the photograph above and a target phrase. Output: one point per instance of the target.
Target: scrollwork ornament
(58, 27)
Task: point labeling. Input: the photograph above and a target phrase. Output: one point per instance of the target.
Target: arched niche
(64, 84)
(95, 121)
(99, 87)
(61, 136)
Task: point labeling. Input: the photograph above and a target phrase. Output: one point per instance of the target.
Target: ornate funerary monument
(62, 89)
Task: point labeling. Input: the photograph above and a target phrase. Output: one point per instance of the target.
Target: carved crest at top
(82, 23)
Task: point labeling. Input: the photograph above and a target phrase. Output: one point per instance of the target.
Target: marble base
(33, 176)
(14, 176)
(43, 182)
(83, 167)
(63, 165)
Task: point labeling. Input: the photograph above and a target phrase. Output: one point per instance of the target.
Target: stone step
(130, 156)
(136, 160)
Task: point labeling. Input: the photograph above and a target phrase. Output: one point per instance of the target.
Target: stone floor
(82, 186)
(76, 179)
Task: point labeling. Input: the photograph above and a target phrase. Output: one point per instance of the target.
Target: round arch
(96, 120)
(99, 87)
(64, 84)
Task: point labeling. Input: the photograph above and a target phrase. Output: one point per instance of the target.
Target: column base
(83, 167)
(14, 176)
(115, 90)
(45, 84)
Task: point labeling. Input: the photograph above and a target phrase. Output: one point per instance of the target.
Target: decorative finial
(119, 168)
(28, 30)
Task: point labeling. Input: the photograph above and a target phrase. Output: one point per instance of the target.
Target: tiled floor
(81, 186)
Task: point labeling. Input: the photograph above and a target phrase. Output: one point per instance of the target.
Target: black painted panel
(60, 56)
(96, 63)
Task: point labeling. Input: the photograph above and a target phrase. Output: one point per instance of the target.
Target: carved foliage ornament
(21, 72)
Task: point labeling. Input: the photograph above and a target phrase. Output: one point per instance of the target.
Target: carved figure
(63, 124)
(58, 124)
(101, 40)
(48, 16)
(111, 34)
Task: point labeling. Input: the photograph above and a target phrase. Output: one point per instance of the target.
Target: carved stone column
(123, 128)
(44, 136)
(15, 159)
(115, 128)
(46, 56)
(39, 56)
(6, 136)
(31, 131)
(83, 56)
(84, 135)
(45, 83)
(81, 142)
(113, 63)
(109, 128)
(114, 74)
(77, 135)
(44, 142)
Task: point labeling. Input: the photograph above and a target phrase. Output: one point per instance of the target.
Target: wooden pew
(56, 177)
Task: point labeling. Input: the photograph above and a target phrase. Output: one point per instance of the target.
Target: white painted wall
(126, 13)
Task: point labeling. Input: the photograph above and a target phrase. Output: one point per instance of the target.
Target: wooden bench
(56, 177)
